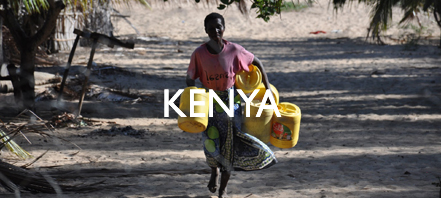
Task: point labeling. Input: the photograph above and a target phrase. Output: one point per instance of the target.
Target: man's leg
(214, 178)
(223, 185)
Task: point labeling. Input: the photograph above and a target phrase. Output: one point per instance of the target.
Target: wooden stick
(66, 70)
(88, 71)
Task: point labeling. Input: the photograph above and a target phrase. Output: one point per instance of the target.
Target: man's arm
(190, 82)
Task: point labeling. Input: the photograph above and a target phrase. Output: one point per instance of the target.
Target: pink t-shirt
(218, 71)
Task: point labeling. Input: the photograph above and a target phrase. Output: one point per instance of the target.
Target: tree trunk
(1, 41)
(99, 20)
(27, 44)
(26, 75)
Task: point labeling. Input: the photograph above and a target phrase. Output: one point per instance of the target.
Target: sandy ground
(370, 114)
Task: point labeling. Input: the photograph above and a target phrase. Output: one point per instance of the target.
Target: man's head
(212, 16)
(214, 26)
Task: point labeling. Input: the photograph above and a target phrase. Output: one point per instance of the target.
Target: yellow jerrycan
(259, 127)
(195, 124)
(248, 81)
(285, 129)
(262, 91)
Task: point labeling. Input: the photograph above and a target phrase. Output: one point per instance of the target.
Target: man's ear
(206, 31)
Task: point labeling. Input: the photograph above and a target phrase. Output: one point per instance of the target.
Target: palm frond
(411, 8)
(13, 147)
(381, 14)
(338, 4)
(429, 3)
(408, 16)
(37, 6)
(30, 6)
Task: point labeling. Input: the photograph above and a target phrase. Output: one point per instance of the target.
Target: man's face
(215, 29)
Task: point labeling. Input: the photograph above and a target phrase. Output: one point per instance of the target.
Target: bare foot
(223, 193)
(223, 185)
(212, 184)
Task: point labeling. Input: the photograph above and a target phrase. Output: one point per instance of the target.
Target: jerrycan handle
(286, 109)
(292, 110)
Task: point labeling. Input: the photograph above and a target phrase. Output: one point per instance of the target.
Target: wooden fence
(64, 32)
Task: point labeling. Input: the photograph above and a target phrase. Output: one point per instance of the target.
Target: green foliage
(32, 6)
(295, 6)
(265, 8)
(221, 7)
(381, 13)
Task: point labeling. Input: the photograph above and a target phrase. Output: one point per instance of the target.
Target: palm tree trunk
(27, 44)
(26, 75)
(1, 41)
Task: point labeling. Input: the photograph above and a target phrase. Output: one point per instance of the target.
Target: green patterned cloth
(227, 147)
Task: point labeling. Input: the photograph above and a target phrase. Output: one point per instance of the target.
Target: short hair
(212, 16)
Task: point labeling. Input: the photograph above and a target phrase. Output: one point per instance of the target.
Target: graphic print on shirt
(213, 77)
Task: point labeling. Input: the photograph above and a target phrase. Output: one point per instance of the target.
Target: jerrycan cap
(288, 108)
